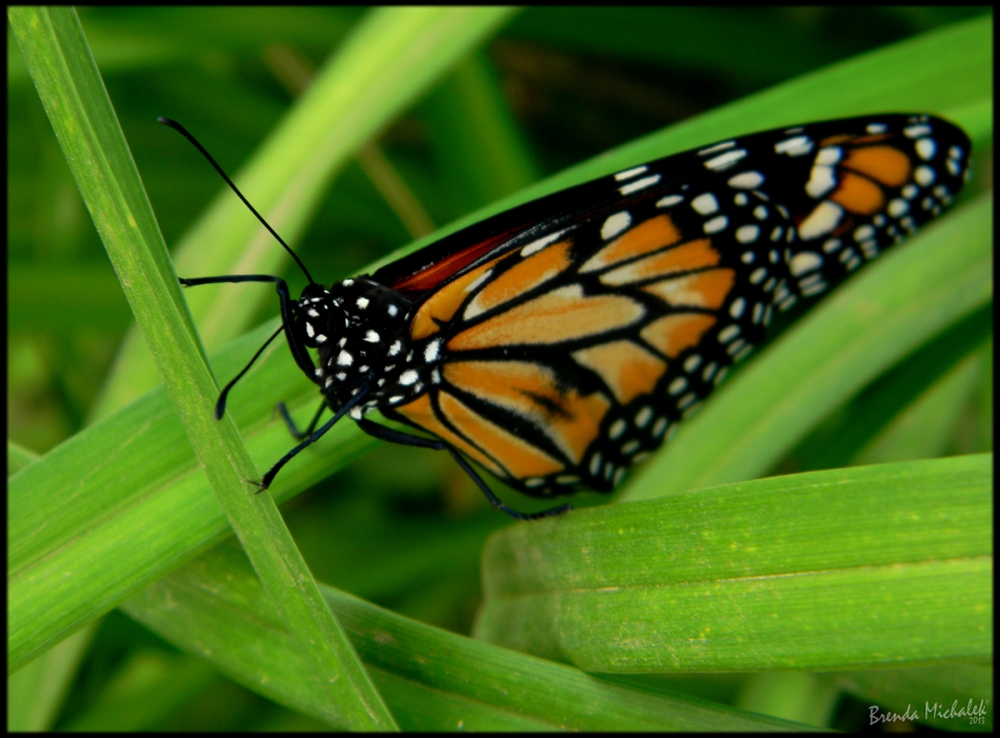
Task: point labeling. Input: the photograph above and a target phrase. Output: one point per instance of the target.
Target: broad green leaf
(827, 570)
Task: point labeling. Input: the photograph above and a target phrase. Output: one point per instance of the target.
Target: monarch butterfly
(556, 343)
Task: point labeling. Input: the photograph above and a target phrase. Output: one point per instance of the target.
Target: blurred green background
(568, 85)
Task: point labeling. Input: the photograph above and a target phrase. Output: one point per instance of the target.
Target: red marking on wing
(432, 275)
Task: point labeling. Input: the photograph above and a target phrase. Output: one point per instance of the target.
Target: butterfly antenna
(184, 132)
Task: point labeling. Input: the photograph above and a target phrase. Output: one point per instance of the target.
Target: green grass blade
(432, 679)
(77, 105)
(840, 438)
(826, 570)
(927, 427)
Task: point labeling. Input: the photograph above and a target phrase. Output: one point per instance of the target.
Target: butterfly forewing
(561, 348)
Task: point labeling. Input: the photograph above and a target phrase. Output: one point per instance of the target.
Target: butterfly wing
(566, 347)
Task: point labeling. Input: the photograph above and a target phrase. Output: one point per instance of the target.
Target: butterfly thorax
(360, 329)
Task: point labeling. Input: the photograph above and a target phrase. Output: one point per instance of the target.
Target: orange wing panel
(858, 195)
(568, 418)
(441, 306)
(559, 315)
(652, 235)
(691, 255)
(703, 289)
(521, 459)
(628, 369)
(526, 275)
(420, 412)
(674, 333)
(884, 164)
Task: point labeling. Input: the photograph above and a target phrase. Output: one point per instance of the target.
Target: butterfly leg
(313, 437)
(405, 439)
(290, 424)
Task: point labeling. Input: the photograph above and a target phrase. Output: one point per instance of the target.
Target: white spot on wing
(541, 243)
(747, 234)
(716, 224)
(746, 180)
(615, 224)
(737, 308)
(728, 333)
(824, 218)
(725, 161)
(686, 401)
(796, 146)
(916, 131)
(828, 155)
(705, 204)
(898, 207)
(863, 233)
(805, 262)
(629, 173)
(821, 181)
(639, 184)
(717, 147)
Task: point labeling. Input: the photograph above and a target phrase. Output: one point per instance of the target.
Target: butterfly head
(360, 329)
